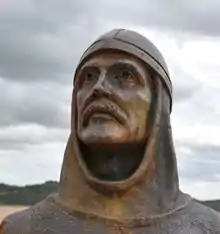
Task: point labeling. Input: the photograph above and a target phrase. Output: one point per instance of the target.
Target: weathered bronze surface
(119, 173)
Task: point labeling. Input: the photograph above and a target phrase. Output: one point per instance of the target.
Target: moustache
(103, 107)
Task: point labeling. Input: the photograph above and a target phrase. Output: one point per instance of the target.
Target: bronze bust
(119, 173)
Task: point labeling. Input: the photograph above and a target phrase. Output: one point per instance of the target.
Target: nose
(101, 88)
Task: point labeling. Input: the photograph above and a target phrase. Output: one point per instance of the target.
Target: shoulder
(18, 222)
(204, 218)
(29, 220)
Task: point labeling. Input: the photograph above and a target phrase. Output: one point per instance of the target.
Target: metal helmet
(133, 43)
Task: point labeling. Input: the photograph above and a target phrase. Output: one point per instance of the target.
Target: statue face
(113, 97)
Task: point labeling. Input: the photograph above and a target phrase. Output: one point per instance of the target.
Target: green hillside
(27, 195)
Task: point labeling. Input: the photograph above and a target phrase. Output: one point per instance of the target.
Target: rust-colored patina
(119, 173)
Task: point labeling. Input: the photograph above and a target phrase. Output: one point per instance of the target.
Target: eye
(127, 79)
(88, 77)
(127, 75)
(116, 77)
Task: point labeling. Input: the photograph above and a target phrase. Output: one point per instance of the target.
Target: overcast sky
(40, 44)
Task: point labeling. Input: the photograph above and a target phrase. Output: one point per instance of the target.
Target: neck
(113, 163)
(144, 197)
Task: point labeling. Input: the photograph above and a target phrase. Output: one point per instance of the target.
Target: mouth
(103, 111)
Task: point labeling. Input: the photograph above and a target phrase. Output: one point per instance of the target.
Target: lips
(104, 108)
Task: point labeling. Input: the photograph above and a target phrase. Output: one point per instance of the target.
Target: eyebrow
(123, 65)
(89, 65)
(116, 63)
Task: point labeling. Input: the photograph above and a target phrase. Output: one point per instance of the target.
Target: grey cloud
(47, 104)
(202, 108)
(41, 40)
(33, 164)
(35, 57)
(202, 165)
(12, 139)
(193, 16)
(184, 85)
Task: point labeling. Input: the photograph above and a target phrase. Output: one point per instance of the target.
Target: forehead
(109, 58)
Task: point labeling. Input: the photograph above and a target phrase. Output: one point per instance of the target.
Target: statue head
(122, 98)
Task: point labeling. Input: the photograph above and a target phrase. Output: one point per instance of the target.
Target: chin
(103, 134)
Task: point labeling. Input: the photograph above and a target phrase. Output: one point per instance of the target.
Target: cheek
(138, 106)
(80, 99)
(139, 120)
(136, 102)
(139, 113)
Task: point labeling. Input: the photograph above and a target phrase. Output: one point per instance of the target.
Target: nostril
(94, 95)
(100, 91)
